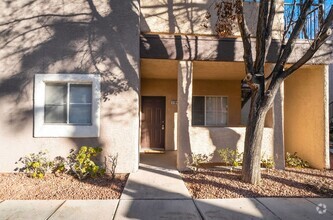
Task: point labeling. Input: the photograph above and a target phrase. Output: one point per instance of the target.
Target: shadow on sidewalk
(150, 194)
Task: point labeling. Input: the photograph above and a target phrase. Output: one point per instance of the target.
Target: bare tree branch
(293, 36)
(285, 50)
(269, 27)
(279, 74)
(245, 33)
(269, 24)
(261, 37)
(322, 35)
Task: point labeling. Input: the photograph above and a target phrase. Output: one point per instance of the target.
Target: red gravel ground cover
(64, 187)
(292, 182)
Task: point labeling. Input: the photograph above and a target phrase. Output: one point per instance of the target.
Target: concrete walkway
(156, 191)
(157, 178)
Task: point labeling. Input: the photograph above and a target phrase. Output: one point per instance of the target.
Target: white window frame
(42, 129)
(205, 110)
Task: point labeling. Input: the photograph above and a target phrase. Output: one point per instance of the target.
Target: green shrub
(35, 165)
(292, 160)
(81, 163)
(60, 165)
(267, 163)
(231, 157)
(194, 161)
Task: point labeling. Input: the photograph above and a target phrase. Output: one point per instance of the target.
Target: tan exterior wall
(167, 88)
(305, 109)
(70, 43)
(188, 17)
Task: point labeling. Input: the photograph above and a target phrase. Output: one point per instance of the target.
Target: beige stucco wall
(188, 17)
(70, 42)
(207, 140)
(305, 109)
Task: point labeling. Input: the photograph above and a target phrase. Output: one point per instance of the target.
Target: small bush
(292, 160)
(194, 161)
(267, 163)
(111, 164)
(35, 165)
(81, 163)
(60, 165)
(231, 157)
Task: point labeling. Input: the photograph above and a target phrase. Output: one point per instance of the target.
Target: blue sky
(327, 2)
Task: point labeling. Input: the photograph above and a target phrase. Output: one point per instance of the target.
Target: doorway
(153, 122)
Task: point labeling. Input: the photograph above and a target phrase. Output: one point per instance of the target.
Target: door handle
(162, 126)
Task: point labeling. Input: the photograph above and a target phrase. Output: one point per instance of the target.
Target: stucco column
(326, 102)
(185, 81)
(278, 117)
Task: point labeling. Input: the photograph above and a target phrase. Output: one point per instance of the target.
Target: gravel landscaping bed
(218, 183)
(64, 187)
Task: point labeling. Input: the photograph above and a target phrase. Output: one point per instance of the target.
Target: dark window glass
(55, 103)
(198, 110)
(79, 108)
(80, 104)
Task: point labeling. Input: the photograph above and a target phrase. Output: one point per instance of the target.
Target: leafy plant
(267, 163)
(111, 164)
(60, 165)
(35, 165)
(292, 160)
(231, 157)
(194, 161)
(81, 163)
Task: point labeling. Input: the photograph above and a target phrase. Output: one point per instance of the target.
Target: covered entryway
(179, 82)
(153, 122)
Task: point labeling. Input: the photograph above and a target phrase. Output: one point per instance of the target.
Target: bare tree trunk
(253, 139)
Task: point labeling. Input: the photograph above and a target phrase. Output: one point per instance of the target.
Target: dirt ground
(19, 186)
(217, 183)
(207, 183)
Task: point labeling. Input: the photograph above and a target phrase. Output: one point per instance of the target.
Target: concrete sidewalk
(157, 191)
(245, 208)
(157, 178)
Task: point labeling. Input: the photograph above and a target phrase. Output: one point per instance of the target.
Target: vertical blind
(209, 110)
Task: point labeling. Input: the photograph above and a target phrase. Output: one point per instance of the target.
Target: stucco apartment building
(134, 75)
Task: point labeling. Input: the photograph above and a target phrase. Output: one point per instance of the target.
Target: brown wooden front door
(152, 122)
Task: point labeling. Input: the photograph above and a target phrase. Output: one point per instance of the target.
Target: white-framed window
(210, 110)
(67, 105)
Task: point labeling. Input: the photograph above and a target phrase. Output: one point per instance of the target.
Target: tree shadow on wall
(79, 40)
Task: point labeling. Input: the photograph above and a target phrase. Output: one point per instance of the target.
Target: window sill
(48, 130)
(222, 126)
